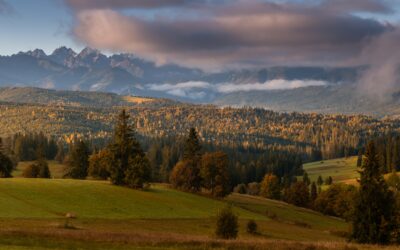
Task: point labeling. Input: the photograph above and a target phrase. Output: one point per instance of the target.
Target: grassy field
(32, 214)
(341, 169)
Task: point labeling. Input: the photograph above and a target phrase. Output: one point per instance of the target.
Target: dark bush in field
(251, 227)
(39, 169)
(227, 224)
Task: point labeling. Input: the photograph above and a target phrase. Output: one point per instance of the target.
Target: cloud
(194, 90)
(242, 33)
(371, 6)
(269, 85)
(197, 90)
(382, 56)
(124, 4)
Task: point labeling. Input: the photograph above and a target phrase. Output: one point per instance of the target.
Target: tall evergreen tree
(6, 166)
(78, 161)
(190, 165)
(129, 164)
(306, 180)
(374, 208)
(192, 149)
(320, 181)
(314, 192)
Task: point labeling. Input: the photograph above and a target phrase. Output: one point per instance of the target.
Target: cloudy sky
(209, 34)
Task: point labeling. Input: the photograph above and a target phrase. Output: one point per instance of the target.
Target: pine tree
(192, 148)
(189, 165)
(320, 181)
(314, 192)
(78, 161)
(306, 180)
(6, 166)
(129, 164)
(374, 208)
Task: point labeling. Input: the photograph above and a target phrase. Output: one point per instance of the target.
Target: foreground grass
(109, 217)
(41, 198)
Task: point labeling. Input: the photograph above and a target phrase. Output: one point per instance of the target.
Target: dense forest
(313, 136)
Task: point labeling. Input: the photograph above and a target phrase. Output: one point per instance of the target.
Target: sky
(209, 34)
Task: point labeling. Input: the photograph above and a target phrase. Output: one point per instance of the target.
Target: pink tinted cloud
(257, 33)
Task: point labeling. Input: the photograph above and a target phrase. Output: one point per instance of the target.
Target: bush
(31, 171)
(253, 188)
(39, 169)
(252, 227)
(227, 224)
(241, 189)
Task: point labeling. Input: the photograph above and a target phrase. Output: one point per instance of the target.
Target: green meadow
(340, 169)
(32, 216)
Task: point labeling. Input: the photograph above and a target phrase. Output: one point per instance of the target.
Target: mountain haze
(305, 89)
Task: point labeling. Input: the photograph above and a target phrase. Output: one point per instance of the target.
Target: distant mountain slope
(345, 98)
(303, 89)
(124, 73)
(73, 98)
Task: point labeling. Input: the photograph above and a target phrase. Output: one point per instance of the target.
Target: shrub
(31, 171)
(270, 187)
(252, 227)
(241, 189)
(39, 169)
(227, 224)
(253, 188)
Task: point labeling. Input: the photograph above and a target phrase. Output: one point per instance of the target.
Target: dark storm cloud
(372, 6)
(122, 4)
(240, 33)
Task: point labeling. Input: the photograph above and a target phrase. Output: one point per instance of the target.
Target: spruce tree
(314, 192)
(129, 164)
(374, 207)
(192, 160)
(320, 181)
(306, 180)
(6, 166)
(78, 161)
(192, 148)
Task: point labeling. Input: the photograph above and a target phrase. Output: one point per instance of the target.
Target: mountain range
(306, 89)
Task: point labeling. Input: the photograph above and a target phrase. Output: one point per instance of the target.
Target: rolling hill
(341, 169)
(34, 209)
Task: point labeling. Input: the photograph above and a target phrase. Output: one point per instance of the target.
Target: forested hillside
(90, 115)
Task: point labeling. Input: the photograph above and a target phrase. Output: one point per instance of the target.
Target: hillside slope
(331, 99)
(73, 98)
